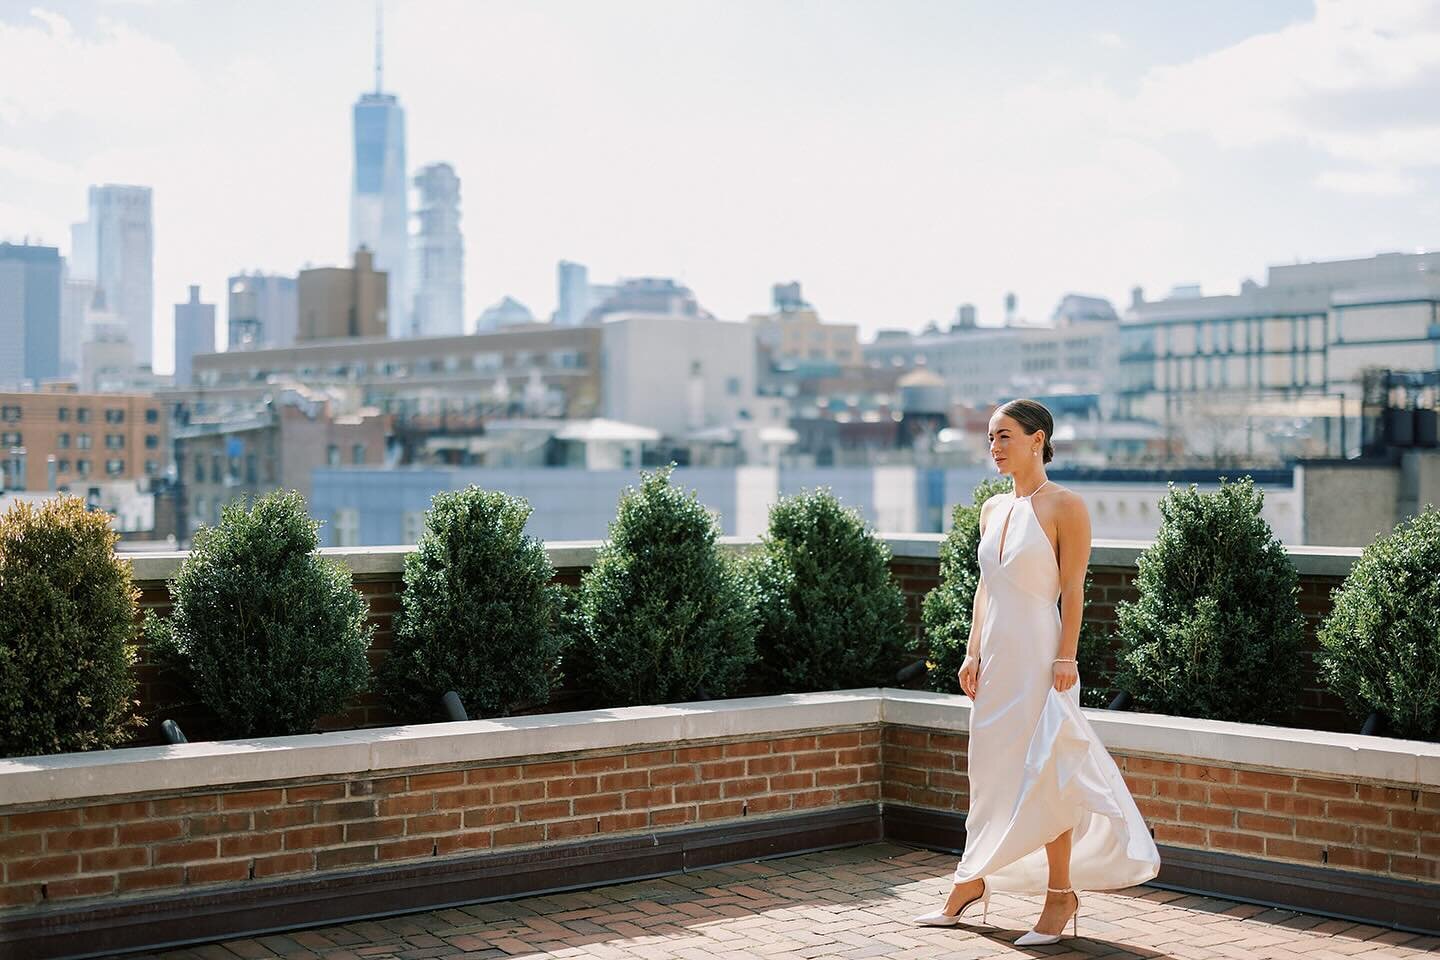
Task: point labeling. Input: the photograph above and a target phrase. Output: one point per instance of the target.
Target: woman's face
(1009, 446)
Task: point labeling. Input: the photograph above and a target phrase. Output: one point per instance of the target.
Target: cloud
(104, 74)
(1110, 39)
(1358, 82)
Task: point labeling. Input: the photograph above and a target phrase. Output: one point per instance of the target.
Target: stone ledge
(1343, 755)
(134, 770)
(65, 777)
(390, 560)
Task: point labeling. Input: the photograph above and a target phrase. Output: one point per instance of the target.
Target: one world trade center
(379, 214)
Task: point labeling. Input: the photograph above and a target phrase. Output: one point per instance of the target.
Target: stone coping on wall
(38, 781)
(390, 560)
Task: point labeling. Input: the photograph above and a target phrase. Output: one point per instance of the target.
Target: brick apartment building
(54, 439)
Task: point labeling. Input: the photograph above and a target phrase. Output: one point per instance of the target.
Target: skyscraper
(29, 313)
(439, 263)
(194, 333)
(115, 249)
(573, 280)
(264, 311)
(379, 216)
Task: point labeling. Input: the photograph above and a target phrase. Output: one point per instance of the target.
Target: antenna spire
(379, 42)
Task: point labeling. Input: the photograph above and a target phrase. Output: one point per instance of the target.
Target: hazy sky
(898, 157)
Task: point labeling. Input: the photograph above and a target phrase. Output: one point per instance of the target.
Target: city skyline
(900, 164)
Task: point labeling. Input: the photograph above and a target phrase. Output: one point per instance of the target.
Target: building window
(62, 414)
(114, 416)
(114, 467)
(199, 516)
(357, 454)
(152, 416)
(151, 468)
(114, 441)
(10, 414)
(152, 442)
(62, 440)
(12, 439)
(199, 469)
(62, 466)
(82, 467)
(251, 472)
(347, 527)
(12, 472)
(332, 455)
(82, 415)
(217, 473)
(732, 386)
(82, 440)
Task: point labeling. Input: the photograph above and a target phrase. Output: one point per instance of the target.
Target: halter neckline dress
(1036, 766)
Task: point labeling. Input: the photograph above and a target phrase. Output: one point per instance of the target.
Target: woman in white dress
(1049, 812)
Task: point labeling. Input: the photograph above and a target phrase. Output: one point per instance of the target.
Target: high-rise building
(439, 262)
(379, 215)
(194, 333)
(29, 313)
(115, 249)
(339, 302)
(573, 299)
(264, 311)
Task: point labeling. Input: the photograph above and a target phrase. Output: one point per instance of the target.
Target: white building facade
(438, 263)
(1284, 359)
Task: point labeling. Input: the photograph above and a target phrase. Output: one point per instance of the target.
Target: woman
(1049, 811)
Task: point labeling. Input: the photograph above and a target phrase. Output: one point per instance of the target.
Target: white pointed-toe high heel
(1033, 938)
(939, 918)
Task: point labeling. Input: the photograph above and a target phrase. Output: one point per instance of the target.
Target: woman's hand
(1066, 675)
(970, 676)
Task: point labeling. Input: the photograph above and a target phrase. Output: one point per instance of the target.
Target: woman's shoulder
(1063, 498)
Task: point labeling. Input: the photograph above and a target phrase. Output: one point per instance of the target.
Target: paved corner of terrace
(851, 903)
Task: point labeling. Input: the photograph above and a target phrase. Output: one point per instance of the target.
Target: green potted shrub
(663, 616)
(1216, 630)
(946, 612)
(1380, 645)
(480, 613)
(268, 634)
(830, 616)
(67, 626)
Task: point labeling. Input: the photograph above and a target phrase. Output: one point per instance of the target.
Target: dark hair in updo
(1032, 416)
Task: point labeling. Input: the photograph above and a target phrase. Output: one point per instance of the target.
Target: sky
(898, 157)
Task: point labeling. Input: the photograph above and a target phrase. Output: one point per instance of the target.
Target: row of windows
(83, 467)
(479, 362)
(113, 441)
(12, 414)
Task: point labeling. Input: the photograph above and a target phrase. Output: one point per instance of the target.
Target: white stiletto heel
(939, 918)
(1033, 938)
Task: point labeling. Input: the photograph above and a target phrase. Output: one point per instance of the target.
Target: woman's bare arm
(1073, 526)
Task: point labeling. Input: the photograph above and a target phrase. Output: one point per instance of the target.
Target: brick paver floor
(844, 903)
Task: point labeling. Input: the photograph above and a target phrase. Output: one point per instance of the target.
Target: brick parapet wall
(1390, 829)
(102, 849)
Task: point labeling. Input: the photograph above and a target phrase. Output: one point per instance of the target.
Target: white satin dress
(1036, 766)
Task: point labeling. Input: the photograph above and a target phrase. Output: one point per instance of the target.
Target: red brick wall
(165, 842)
(1391, 829)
